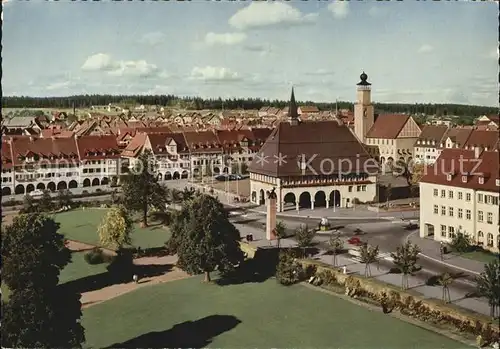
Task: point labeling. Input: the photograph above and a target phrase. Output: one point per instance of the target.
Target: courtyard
(188, 313)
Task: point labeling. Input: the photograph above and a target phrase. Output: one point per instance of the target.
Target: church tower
(363, 109)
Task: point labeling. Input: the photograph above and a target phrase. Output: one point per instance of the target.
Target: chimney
(477, 152)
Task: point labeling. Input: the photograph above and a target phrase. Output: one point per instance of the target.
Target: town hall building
(312, 164)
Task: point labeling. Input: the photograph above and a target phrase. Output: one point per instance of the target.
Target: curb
(448, 264)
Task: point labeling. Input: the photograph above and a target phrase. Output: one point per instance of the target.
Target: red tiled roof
(6, 155)
(433, 133)
(98, 147)
(49, 149)
(309, 109)
(388, 126)
(158, 142)
(458, 135)
(461, 162)
(482, 138)
(135, 146)
(202, 142)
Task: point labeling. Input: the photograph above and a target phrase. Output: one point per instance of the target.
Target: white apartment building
(58, 163)
(428, 143)
(464, 198)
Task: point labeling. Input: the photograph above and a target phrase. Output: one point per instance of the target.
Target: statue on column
(271, 214)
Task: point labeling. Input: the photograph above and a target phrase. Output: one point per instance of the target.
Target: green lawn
(79, 268)
(251, 315)
(481, 256)
(81, 225)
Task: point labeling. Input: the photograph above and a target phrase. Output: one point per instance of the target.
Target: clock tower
(363, 109)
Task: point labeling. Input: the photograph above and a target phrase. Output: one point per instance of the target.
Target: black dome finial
(363, 76)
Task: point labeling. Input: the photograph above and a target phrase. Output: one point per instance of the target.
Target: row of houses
(54, 163)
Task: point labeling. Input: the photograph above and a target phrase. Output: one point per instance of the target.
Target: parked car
(235, 177)
(36, 193)
(355, 241)
(221, 178)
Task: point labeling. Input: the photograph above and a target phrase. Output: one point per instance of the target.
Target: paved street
(75, 191)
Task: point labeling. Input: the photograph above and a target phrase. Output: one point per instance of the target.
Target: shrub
(98, 190)
(288, 271)
(95, 256)
(310, 270)
(85, 192)
(432, 280)
(328, 277)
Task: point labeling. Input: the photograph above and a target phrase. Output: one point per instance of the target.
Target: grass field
(481, 256)
(81, 225)
(187, 313)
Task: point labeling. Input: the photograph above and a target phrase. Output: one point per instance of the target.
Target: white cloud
(425, 48)
(224, 38)
(210, 73)
(58, 85)
(265, 14)
(139, 68)
(99, 62)
(339, 9)
(153, 38)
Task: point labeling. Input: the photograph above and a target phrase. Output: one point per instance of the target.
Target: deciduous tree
(445, 280)
(64, 197)
(461, 242)
(141, 189)
(39, 313)
(288, 271)
(45, 202)
(405, 258)
(488, 285)
(204, 238)
(115, 228)
(368, 255)
(280, 232)
(335, 245)
(304, 237)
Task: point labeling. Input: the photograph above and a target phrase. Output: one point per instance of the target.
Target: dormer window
(481, 180)
(464, 179)
(497, 182)
(448, 177)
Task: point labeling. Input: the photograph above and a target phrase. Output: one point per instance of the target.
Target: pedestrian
(344, 270)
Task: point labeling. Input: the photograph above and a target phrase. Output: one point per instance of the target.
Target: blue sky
(412, 51)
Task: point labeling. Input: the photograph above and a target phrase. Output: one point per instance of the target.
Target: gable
(171, 142)
(410, 129)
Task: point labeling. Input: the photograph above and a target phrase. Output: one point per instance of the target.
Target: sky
(412, 51)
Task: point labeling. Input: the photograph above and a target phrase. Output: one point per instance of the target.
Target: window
(481, 180)
(494, 200)
(467, 197)
(450, 211)
(460, 195)
(436, 209)
(480, 216)
(450, 194)
(448, 177)
(443, 193)
(363, 188)
(451, 232)
(464, 179)
(480, 198)
(358, 188)
(489, 240)
(350, 188)
(435, 192)
(489, 218)
(467, 214)
(443, 210)
(460, 213)
(497, 182)
(443, 230)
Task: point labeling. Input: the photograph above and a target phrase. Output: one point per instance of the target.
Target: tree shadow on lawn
(106, 279)
(190, 334)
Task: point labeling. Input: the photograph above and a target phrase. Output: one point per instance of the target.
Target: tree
(280, 232)
(405, 258)
(204, 238)
(64, 197)
(45, 202)
(28, 205)
(368, 255)
(288, 271)
(39, 313)
(335, 245)
(461, 242)
(401, 170)
(141, 189)
(304, 237)
(417, 172)
(488, 285)
(115, 228)
(445, 280)
(188, 193)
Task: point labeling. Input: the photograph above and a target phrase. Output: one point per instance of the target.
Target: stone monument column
(271, 215)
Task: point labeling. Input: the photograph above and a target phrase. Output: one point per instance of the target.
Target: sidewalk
(430, 249)
(416, 283)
